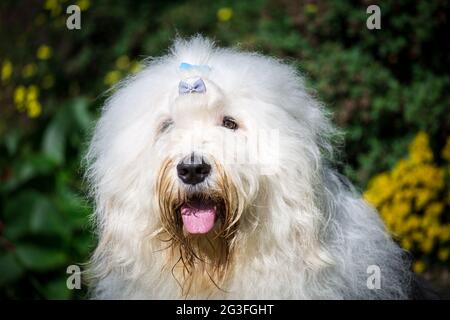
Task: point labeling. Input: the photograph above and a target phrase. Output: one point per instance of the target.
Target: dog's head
(212, 155)
(206, 148)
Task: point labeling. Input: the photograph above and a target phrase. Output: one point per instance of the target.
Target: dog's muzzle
(198, 212)
(193, 170)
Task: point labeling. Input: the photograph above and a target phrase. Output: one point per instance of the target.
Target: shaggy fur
(297, 232)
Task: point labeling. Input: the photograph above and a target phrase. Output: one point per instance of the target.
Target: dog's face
(207, 172)
(213, 158)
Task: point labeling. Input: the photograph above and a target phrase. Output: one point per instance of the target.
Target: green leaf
(57, 290)
(54, 141)
(17, 215)
(27, 168)
(38, 258)
(84, 244)
(12, 141)
(32, 213)
(45, 219)
(11, 270)
(80, 113)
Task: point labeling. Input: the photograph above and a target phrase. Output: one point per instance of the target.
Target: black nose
(193, 170)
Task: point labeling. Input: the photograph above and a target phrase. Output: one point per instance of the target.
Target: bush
(413, 199)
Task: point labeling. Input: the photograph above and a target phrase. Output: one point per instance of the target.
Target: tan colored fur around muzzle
(198, 260)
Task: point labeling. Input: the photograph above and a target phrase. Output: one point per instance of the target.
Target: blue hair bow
(187, 66)
(186, 86)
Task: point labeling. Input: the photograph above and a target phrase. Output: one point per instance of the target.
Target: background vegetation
(385, 87)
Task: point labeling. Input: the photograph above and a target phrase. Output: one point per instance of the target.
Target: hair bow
(187, 67)
(191, 85)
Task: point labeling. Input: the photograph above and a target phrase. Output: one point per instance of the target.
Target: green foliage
(382, 85)
(44, 217)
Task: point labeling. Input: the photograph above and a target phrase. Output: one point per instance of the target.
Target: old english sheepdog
(212, 176)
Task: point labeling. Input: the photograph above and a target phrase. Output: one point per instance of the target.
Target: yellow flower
(122, 62)
(83, 4)
(44, 52)
(32, 93)
(427, 245)
(401, 209)
(433, 231)
(407, 244)
(380, 189)
(34, 109)
(423, 196)
(224, 14)
(54, 6)
(419, 266)
(112, 77)
(417, 237)
(7, 69)
(413, 222)
(444, 233)
(412, 199)
(310, 8)
(135, 67)
(446, 150)
(19, 95)
(27, 99)
(50, 4)
(434, 209)
(427, 221)
(429, 176)
(29, 70)
(443, 254)
(420, 149)
(404, 195)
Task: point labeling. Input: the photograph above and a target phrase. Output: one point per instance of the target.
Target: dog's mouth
(199, 214)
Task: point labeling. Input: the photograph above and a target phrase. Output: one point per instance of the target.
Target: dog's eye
(229, 123)
(166, 124)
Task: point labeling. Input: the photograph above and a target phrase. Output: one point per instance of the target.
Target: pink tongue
(198, 218)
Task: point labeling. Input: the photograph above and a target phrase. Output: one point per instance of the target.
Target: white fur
(303, 234)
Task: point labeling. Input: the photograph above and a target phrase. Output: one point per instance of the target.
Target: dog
(212, 176)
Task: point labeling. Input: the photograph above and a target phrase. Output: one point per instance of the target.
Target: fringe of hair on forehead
(201, 257)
